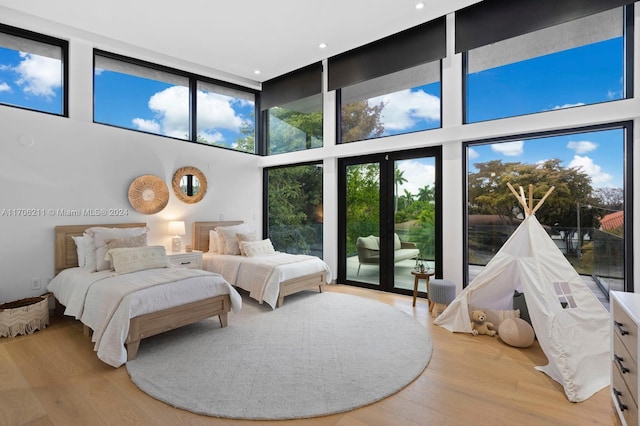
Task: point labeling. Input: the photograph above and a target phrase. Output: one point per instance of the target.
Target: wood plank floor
(53, 377)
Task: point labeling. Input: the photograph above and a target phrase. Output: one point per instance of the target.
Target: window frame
(193, 80)
(64, 60)
(626, 126)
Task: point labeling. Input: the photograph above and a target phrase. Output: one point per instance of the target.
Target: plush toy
(480, 326)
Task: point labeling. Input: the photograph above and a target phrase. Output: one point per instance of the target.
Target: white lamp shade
(176, 227)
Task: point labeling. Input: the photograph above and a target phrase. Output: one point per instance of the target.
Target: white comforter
(261, 276)
(106, 302)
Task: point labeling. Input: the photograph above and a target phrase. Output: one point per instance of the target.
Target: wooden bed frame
(148, 324)
(200, 236)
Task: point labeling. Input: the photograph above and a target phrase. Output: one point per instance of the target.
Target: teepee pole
(522, 200)
(543, 198)
(530, 197)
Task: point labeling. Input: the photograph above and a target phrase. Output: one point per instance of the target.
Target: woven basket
(24, 316)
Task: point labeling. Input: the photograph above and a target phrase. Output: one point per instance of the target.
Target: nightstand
(191, 260)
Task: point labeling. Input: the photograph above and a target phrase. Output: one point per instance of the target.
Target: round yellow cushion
(516, 332)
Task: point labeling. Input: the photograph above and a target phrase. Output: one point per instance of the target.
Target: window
(403, 102)
(141, 98)
(33, 71)
(292, 106)
(294, 208)
(226, 117)
(584, 215)
(136, 95)
(580, 62)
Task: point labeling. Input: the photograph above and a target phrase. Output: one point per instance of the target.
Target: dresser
(191, 260)
(625, 315)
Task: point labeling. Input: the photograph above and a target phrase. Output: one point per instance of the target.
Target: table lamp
(176, 228)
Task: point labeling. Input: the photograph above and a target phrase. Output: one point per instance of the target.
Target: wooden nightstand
(191, 260)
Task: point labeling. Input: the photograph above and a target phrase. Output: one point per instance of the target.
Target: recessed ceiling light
(419, 5)
(322, 45)
(256, 72)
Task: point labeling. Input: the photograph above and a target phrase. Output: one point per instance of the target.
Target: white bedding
(106, 302)
(261, 276)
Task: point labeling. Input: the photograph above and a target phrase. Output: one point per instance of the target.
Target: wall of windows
(33, 71)
(146, 97)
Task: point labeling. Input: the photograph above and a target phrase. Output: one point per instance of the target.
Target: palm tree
(398, 180)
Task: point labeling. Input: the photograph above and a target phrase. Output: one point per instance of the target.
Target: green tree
(360, 120)
(291, 130)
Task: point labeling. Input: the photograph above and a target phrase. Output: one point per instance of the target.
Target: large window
(576, 63)
(294, 208)
(33, 71)
(153, 99)
(584, 215)
(403, 102)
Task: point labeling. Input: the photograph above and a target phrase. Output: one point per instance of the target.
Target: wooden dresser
(625, 314)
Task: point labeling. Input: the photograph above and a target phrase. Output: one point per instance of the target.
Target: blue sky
(584, 75)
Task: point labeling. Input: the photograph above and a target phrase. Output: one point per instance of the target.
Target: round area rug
(318, 354)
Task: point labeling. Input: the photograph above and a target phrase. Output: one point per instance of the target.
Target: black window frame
(193, 101)
(46, 39)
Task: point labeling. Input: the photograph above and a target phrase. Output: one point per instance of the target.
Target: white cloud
(582, 147)
(568, 105)
(171, 107)
(151, 126)
(417, 174)
(39, 75)
(473, 154)
(4, 87)
(403, 109)
(598, 177)
(509, 149)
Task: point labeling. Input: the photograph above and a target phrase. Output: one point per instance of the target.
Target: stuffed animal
(480, 326)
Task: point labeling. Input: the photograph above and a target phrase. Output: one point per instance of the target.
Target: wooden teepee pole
(543, 198)
(522, 199)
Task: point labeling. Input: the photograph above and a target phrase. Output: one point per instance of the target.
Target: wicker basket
(24, 316)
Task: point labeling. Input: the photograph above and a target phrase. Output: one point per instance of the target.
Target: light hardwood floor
(53, 377)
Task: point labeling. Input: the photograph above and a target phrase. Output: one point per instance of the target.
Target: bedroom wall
(72, 163)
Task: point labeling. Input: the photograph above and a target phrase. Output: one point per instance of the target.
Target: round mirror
(189, 184)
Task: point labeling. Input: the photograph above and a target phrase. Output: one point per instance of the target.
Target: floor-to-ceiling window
(390, 218)
(586, 213)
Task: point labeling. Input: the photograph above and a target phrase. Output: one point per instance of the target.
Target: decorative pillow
(250, 236)
(397, 244)
(258, 248)
(371, 242)
(139, 241)
(228, 236)
(89, 252)
(516, 332)
(132, 259)
(80, 250)
(213, 241)
(497, 316)
(101, 234)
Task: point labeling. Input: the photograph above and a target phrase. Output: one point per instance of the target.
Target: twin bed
(120, 309)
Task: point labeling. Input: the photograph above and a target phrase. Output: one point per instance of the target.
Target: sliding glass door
(389, 217)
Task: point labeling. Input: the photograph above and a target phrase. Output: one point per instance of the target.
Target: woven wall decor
(148, 194)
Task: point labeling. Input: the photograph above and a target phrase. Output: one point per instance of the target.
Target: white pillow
(228, 236)
(133, 259)
(80, 250)
(258, 248)
(89, 252)
(213, 241)
(249, 236)
(101, 234)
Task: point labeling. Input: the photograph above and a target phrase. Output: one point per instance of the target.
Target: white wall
(76, 164)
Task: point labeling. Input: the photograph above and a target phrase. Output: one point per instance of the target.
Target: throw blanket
(106, 302)
(261, 276)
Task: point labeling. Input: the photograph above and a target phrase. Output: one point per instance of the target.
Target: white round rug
(318, 354)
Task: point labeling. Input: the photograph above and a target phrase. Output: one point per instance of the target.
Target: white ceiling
(232, 37)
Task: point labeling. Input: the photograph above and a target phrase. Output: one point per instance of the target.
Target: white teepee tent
(575, 338)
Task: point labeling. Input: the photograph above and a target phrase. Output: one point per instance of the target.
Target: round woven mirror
(189, 184)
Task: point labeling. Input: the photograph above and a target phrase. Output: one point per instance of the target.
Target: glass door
(389, 216)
